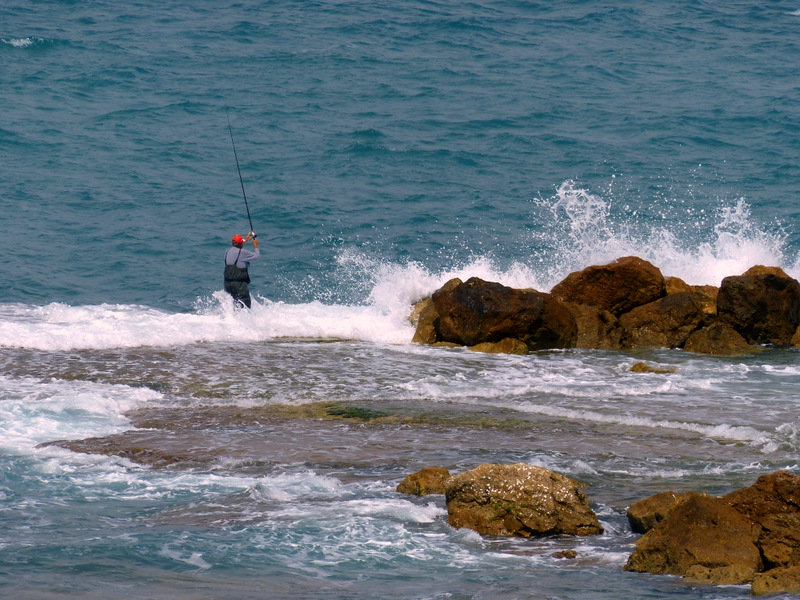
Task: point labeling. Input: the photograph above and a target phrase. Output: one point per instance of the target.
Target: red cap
(237, 240)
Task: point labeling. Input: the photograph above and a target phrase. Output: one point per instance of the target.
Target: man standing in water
(237, 259)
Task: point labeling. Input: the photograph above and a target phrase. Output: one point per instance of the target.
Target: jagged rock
(617, 287)
(702, 538)
(719, 339)
(773, 502)
(708, 292)
(504, 346)
(429, 480)
(782, 580)
(751, 534)
(597, 328)
(566, 554)
(666, 322)
(424, 316)
(478, 311)
(764, 308)
(645, 514)
(673, 285)
(518, 500)
(764, 270)
(619, 306)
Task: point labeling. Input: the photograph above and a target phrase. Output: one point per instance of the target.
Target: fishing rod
(244, 195)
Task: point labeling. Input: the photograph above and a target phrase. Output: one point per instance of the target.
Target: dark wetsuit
(236, 276)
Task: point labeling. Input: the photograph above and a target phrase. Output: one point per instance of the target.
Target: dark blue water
(384, 147)
(415, 132)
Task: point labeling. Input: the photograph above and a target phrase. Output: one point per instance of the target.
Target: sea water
(384, 149)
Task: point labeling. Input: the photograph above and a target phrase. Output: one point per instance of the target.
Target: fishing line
(238, 170)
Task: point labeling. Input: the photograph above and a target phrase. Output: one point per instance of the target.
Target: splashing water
(702, 251)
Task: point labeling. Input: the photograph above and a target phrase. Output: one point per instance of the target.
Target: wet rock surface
(519, 500)
(429, 480)
(751, 535)
(478, 311)
(624, 305)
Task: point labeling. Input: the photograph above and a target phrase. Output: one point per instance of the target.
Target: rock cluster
(512, 500)
(751, 535)
(627, 304)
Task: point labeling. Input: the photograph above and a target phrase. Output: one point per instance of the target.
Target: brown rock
(762, 270)
(641, 367)
(710, 291)
(429, 480)
(795, 341)
(676, 284)
(566, 554)
(702, 538)
(719, 339)
(773, 502)
(478, 311)
(518, 500)
(763, 308)
(645, 514)
(617, 287)
(504, 346)
(666, 323)
(707, 297)
(782, 580)
(424, 316)
(597, 328)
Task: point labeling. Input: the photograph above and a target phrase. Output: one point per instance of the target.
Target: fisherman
(237, 259)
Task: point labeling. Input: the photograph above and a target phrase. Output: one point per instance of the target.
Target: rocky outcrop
(783, 580)
(424, 317)
(703, 539)
(504, 346)
(764, 307)
(646, 514)
(720, 339)
(518, 500)
(664, 323)
(773, 502)
(708, 293)
(597, 328)
(749, 535)
(429, 480)
(478, 311)
(617, 287)
(624, 305)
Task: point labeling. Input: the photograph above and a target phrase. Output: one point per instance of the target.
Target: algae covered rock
(519, 500)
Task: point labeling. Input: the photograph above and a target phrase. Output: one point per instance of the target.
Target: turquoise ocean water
(385, 148)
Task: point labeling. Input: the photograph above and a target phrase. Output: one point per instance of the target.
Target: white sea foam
(701, 249)
(58, 326)
(583, 234)
(727, 432)
(18, 42)
(32, 411)
(194, 559)
(292, 486)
